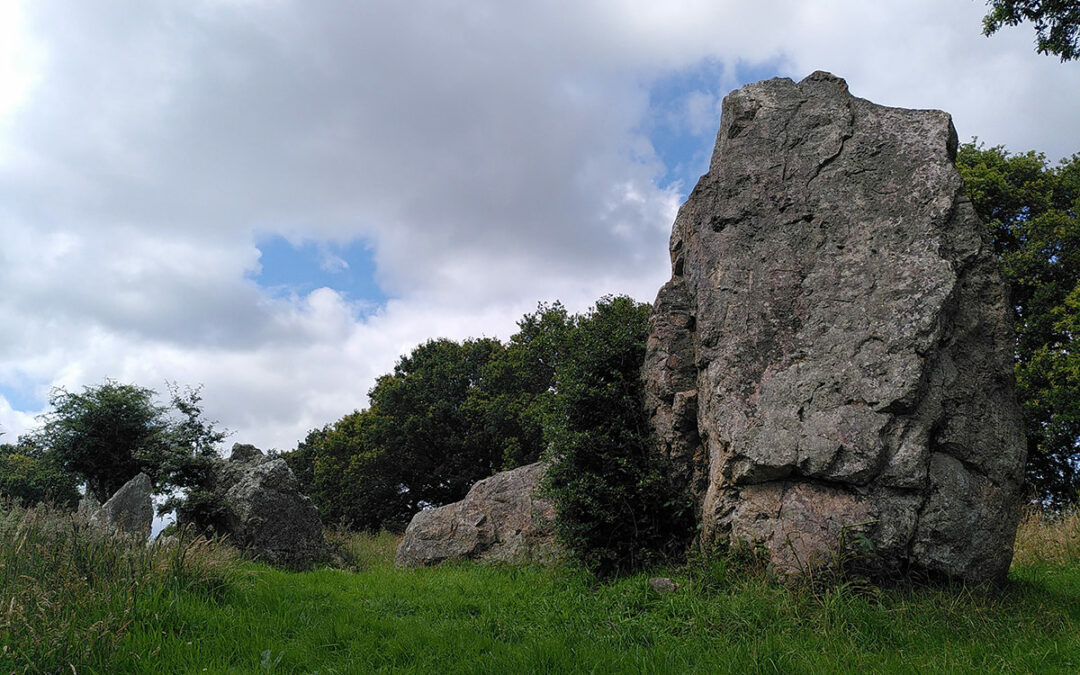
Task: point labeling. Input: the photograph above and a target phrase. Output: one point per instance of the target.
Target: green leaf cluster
(1057, 23)
(29, 478)
(107, 434)
(1031, 209)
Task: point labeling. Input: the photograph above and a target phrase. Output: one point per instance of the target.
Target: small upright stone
(832, 357)
(663, 585)
(129, 511)
(261, 509)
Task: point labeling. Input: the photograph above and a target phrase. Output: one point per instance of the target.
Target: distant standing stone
(268, 515)
(130, 510)
(663, 585)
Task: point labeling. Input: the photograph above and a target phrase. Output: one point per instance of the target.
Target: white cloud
(494, 154)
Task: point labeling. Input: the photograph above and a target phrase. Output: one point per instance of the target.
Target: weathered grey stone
(129, 511)
(268, 516)
(832, 353)
(500, 520)
(89, 505)
(245, 452)
(663, 585)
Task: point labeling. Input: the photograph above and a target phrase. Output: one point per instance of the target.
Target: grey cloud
(494, 154)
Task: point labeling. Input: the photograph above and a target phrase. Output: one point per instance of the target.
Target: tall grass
(1048, 538)
(361, 551)
(69, 593)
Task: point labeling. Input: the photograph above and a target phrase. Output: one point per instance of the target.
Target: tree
(106, 435)
(618, 508)
(1057, 23)
(109, 433)
(421, 414)
(1032, 212)
(517, 389)
(29, 478)
(449, 414)
(430, 433)
(190, 463)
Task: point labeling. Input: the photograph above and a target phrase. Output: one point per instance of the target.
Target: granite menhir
(832, 356)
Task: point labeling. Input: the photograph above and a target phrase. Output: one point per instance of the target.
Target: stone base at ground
(269, 516)
(263, 510)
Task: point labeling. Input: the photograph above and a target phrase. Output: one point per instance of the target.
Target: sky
(276, 199)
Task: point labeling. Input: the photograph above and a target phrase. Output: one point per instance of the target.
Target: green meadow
(74, 602)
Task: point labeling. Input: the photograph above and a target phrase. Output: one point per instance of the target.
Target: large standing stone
(833, 351)
(268, 515)
(259, 507)
(500, 520)
(130, 510)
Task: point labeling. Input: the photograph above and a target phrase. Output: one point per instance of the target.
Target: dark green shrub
(618, 509)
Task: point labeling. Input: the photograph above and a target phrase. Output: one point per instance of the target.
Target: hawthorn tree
(108, 433)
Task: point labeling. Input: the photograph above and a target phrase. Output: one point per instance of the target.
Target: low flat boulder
(501, 520)
(129, 511)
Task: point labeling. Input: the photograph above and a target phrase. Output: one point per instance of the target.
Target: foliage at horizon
(29, 477)
(1032, 211)
(1057, 23)
(565, 387)
(448, 415)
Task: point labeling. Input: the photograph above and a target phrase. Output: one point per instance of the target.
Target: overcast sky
(277, 198)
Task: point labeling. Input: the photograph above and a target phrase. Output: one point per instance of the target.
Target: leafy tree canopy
(109, 433)
(1057, 23)
(30, 478)
(448, 415)
(1032, 211)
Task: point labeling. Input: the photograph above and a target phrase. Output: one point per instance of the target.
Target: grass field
(75, 603)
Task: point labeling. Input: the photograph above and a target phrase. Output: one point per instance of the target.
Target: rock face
(833, 352)
(500, 520)
(269, 516)
(130, 510)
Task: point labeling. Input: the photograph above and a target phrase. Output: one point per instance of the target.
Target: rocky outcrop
(130, 511)
(501, 520)
(832, 355)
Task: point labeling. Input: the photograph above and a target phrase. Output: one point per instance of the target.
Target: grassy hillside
(71, 602)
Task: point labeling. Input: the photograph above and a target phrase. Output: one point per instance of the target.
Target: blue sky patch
(21, 397)
(685, 115)
(347, 268)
